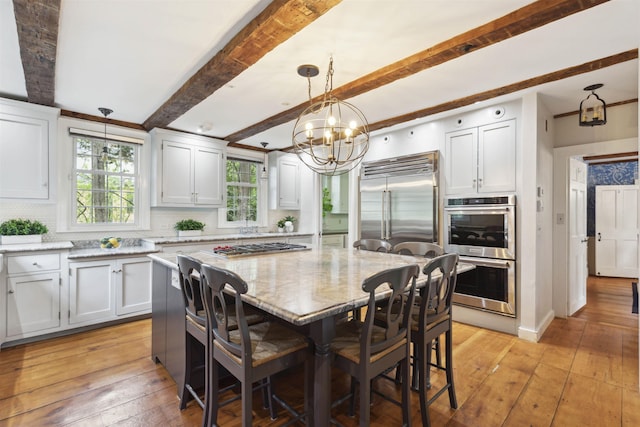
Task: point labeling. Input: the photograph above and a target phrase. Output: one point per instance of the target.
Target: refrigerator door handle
(383, 213)
(387, 218)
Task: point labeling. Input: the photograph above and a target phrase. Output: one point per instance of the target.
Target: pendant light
(330, 136)
(105, 151)
(593, 110)
(263, 174)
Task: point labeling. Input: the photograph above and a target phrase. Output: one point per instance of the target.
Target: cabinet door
(24, 157)
(461, 161)
(133, 286)
(177, 173)
(288, 184)
(33, 303)
(208, 182)
(91, 291)
(497, 157)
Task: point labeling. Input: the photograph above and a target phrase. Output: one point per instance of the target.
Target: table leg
(322, 332)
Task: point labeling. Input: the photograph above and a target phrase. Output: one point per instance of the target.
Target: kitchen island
(308, 289)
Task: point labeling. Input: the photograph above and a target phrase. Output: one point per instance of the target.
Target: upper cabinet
(188, 170)
(481, 159)
(284, 181)
(27, 156)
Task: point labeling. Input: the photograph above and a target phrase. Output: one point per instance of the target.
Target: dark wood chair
(195, 374)
(373, 245)
(251, 353)
(427, 250)
(365, 350)
(432, 320)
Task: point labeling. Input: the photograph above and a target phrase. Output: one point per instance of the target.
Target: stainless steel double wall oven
(483, 231)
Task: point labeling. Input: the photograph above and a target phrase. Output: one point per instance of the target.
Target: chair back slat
(397, 310)
(373, 245)
(189, 276)
(214, 281)
(438, 296)
(425, 249)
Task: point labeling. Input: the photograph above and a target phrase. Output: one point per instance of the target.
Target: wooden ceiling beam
(279, 21)
(525, 19)
(504, 90)
(37, 24)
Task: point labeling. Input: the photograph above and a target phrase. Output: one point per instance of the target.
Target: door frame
(561, 253)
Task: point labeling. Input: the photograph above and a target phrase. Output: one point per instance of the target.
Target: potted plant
(15, 231)
(189, 227)
(288, 223)
(280, 225)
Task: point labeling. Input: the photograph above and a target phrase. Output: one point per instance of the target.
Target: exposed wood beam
(280, 20)
(613, 104)
(37, 23)
(629, 156)
(504, 90)
(101, 119)
(525, 19)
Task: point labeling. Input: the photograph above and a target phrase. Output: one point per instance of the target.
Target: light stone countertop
(31, 247)
(305, 286)
(219, 237)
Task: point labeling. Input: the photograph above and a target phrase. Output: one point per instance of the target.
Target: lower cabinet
(106, 289)
(33, 303)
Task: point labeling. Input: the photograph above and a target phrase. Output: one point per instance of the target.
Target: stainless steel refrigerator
(399, 199)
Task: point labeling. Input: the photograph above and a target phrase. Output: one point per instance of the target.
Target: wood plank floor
(584, 372)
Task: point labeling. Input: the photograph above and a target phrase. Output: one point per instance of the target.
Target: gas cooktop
(256, 249)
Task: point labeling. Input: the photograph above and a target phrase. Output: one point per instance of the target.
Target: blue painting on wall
(606, 174)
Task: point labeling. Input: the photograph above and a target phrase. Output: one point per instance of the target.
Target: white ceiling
(131, 56)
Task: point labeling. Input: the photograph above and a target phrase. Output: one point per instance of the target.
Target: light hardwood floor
(584, 372)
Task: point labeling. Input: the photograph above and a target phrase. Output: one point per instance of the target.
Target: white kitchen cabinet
(33, 284)
(189, 170)
(333, 240)
(27, 144)
(105, 289)
(482, 159)
(284, 181)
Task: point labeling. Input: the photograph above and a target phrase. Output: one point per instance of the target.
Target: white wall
(622, 123)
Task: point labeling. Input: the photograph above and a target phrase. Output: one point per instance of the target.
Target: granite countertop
(29, 247)
(219, 237)
(327, 281)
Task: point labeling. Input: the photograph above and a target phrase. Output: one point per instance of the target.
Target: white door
(33, 303)
(577, 222)
(497, 157)
(462, 161)
(177, 173)
(133, 286)
(91, 291)
(617, 230)
(208, 164)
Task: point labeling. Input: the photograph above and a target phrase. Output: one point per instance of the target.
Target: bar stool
(429, 323)
(251, 353)
(427, 250)
(365, 350)
(373, 245)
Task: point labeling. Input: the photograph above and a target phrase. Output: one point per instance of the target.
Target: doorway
(335, 210)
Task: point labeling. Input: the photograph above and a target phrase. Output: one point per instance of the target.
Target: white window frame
(66, 206)
(260, 158)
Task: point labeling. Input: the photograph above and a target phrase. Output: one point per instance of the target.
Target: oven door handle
(456, 210)
(487, 263)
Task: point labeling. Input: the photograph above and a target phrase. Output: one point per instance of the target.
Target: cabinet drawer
(32, 263)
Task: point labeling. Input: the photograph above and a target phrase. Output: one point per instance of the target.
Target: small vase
(288, 227)
(21, 239)
(280, 230)
(189, 233)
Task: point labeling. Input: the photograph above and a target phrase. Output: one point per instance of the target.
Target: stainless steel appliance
(483, 231)
(399, 199)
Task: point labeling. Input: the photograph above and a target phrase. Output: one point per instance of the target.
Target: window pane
(105, 181)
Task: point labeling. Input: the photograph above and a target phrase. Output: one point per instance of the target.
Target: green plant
(289, 218)
(20, 227)
(327, 206)
(188, 224)
(280, 223)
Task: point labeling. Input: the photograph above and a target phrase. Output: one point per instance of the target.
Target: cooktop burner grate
(257, 248)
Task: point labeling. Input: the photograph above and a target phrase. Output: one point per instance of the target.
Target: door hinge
(59, 316)
(60, 281)
(69, 314)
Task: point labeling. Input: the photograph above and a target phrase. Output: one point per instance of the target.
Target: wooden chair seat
(348, 339)
(269, 341)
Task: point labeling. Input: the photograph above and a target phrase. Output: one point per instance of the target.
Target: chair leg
(269, 401)
(213, 398)
(422, 388)
(365, 401)
(436, 347)
(406, 392)
(426, 374)
(247, 403)
(449, 356)
(352, 404)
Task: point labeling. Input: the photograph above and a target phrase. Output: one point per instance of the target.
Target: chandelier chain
(328, 87)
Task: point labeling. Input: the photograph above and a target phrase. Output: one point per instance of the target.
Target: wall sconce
(593, 110)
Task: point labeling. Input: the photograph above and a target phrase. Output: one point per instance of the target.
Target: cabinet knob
(35, 263)
(10, 291)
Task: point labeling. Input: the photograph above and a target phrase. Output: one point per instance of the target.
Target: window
(106, 181)
(243, 191)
